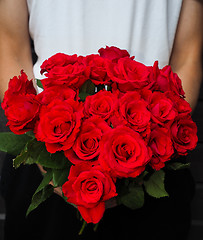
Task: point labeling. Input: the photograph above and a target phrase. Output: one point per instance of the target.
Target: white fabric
(146, 28)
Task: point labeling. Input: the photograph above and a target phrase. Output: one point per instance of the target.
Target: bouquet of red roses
(105, 126)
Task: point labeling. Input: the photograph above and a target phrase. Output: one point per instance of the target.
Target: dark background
(196, 159)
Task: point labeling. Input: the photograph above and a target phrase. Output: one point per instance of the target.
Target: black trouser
(160, 219)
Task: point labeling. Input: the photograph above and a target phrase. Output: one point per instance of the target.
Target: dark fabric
(166, 218)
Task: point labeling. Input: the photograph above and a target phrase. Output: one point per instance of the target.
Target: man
(15, 52)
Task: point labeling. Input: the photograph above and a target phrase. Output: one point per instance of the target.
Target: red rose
(22, 113)
(88, 187)
(179, 103)
(73, 75)
(59, 60)
(162, 109)
(59, 124)
(102, 104)
(113, 53)
(86, 146)
(129, 74)
(98, 74)
(18, 85)
(123, 152)
(56, 92)
(161, 146)
(145, 94)
(184, 135)
(21, 85)
(169, 81)
(134, 111)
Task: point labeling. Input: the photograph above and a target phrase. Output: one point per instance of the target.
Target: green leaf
(40, 197)
(83, 95)
(88, 88)
(60, 176)
(178, 165)
(20, 159)
(34, 148)
(12, 143)
(43, 192)
(56, 160)
(45, 181)
(154, 186)
(39, 154)
(26, 157)
(28, 151)
(39, 83)
(30, 134)
(134, 199)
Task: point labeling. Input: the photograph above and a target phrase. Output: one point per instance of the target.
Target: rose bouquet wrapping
(104, 127)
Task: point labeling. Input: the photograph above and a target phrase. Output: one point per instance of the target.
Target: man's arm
(186, 57)
(15, 52)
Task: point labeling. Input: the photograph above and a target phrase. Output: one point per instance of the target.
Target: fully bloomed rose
(184, 135)
(72, 75)
(113, 53)
(103, 104)
(59, 123)
(88, 187)
(20, 104)
(18, 86)
(167, 80)
(98, 74)
(21, 85)
(180, 104)
(56, 92)
(124, 153)
(133, 109)
(58, 60)
(162, 109)
(22, 112)
(86, 146)
(129, 75)
(162, 147)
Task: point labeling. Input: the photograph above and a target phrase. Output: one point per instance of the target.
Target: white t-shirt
(146, 28)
